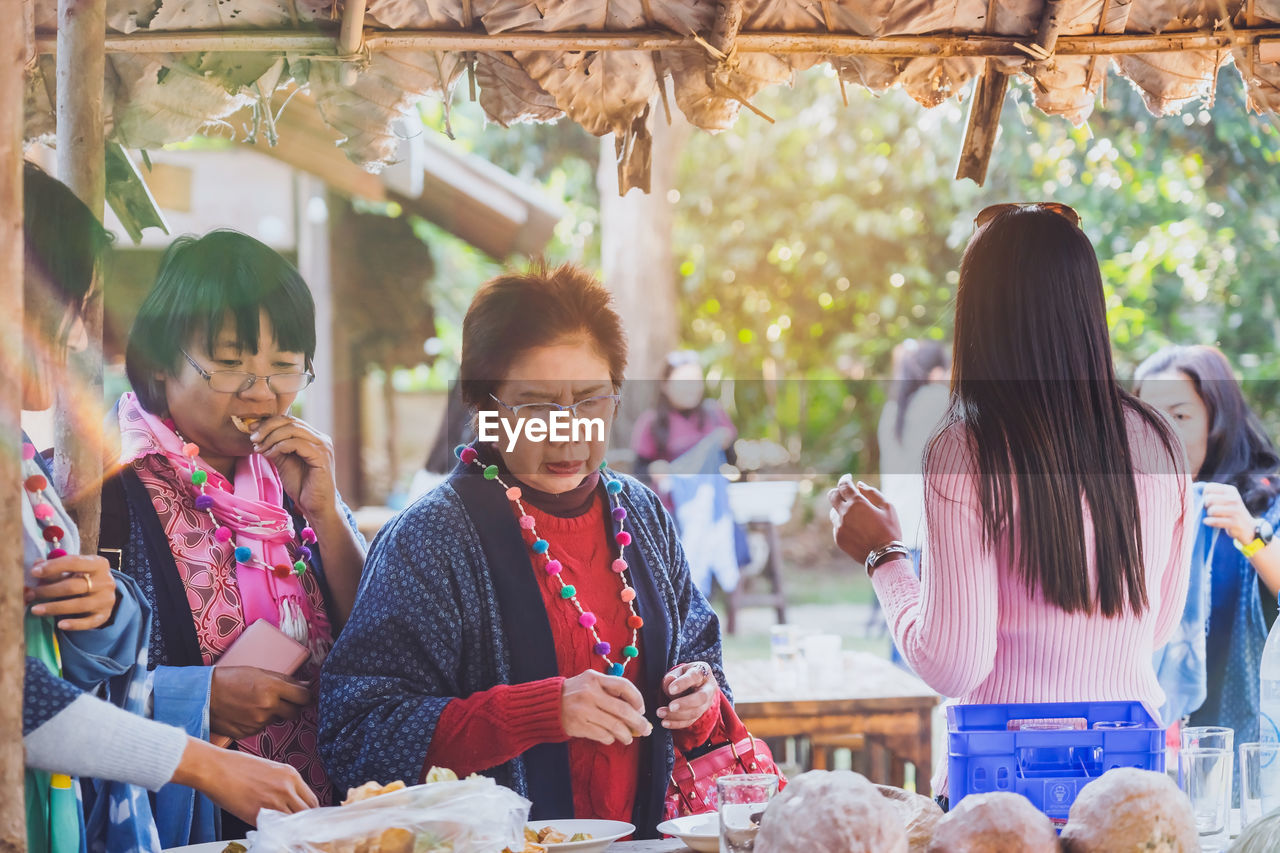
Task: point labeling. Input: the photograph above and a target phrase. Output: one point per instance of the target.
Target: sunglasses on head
(989, 213)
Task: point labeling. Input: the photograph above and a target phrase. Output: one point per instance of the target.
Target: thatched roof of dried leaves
(603, 63)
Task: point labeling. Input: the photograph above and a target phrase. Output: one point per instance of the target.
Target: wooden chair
(762, 506)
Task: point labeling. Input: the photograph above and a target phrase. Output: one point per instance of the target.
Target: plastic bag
(470, 816)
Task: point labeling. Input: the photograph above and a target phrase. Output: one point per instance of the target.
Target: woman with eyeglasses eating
(1057, 504)
(226, 512)
(532, 618)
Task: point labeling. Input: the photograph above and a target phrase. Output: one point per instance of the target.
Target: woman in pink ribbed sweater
(1056, 502)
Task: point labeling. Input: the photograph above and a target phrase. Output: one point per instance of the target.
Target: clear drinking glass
(1259, 780)
(785, 649)
(1208, 737)
(1204, 775)
(742, 800)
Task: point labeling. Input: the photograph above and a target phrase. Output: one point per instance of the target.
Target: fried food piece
(530, 834)
(580, 836)
(551, 835)
(371, 789)
(395, 840)
(440, 774)
(245, 425)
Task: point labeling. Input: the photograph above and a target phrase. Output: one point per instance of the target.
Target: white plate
(210, 847)
(699, 832)
(602, 832)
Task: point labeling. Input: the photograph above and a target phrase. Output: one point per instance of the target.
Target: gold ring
(88, 584)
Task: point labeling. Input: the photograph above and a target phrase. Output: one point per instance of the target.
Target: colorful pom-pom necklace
(36, 484)
(243, 554)
(554, 569)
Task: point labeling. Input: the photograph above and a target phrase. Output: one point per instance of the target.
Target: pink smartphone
(267, 647)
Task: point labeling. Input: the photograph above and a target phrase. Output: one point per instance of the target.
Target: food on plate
(247, 424)
(551, 835)
(919, 815)
(235, 847)
(998, 822)
(1128, 809)
(833, 811)
(371, 789)
(529, 847)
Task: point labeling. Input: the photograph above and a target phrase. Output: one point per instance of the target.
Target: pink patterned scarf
(253, 508)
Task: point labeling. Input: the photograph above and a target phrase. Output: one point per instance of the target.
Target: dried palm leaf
(508, 94)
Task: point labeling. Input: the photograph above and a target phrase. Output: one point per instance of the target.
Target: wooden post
(984, 124)
(82, 29)
(13, 49)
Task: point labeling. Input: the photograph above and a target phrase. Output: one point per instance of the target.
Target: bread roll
(1128, 809)
(999, 822)
(832, 811)
(919, 814)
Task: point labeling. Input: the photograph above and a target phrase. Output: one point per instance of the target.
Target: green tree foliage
(813, 245)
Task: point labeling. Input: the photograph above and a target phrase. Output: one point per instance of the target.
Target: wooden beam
(13, 50)
(81, 72)
(304, 44)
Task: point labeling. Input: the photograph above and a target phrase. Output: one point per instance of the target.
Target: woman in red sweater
(532, 618)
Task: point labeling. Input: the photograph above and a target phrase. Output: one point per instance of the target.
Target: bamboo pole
(81, 73)
(351, 37)
(13, 55)
(978, 45)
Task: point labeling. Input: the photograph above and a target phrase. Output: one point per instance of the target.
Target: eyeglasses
(989, 213)
(593, 407)
(238, 381)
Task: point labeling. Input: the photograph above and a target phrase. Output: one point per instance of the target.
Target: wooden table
(861, 694)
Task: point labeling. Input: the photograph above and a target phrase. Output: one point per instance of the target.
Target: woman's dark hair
(913, 361)
(1238, 451)
(62, 236)
(663, 408)
(1034, 384)
(202, 280)
(517, 312)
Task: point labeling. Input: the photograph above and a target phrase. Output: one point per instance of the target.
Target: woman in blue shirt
(1238, 477)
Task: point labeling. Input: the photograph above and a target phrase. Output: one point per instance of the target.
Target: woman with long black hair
(1056, 502)
(1237, 473)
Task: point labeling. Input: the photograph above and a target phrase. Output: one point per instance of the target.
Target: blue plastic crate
(1047, 767)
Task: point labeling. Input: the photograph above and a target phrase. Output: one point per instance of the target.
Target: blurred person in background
(918, 400)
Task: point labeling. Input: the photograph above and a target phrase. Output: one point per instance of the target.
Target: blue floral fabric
(43, 695)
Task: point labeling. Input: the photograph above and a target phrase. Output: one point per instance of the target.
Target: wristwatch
(1263, 533)
(895, 548)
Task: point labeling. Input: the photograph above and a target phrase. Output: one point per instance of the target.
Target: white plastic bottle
(1269, 696)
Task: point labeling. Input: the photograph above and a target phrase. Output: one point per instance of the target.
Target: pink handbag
(693, 783)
